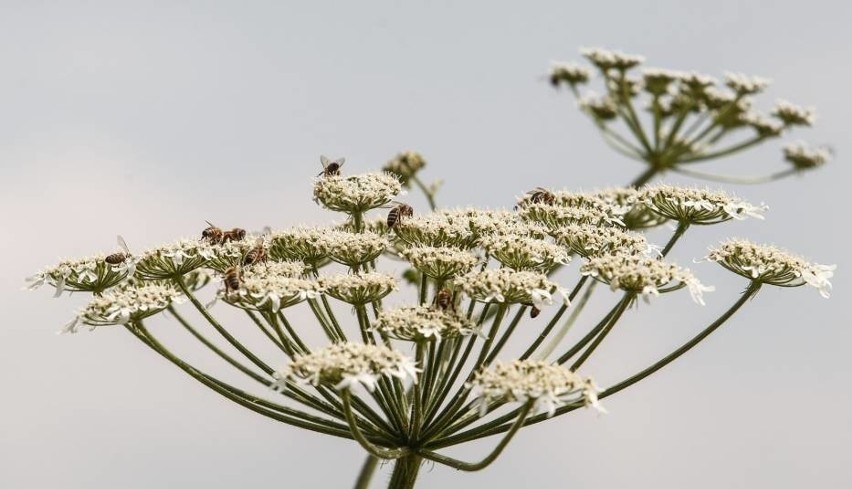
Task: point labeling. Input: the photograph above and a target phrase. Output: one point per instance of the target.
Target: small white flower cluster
(771, 265)
(405, 165)
(440, 263)
(525, 253)
(804, 157)
(589, 240)
(745, 84)
(568, 73)
(548, 386)
(358, 288)
(123, 304)
(174, 259)
(698, 206)
(657, 81)
(626, 203)
(346, 365)
(353, 249)
(301, 243)
(230, 253)
(273, 287)
(763, 125)
(356, 193)
(437, 229)
(510, 287)
(556, 216)
(794, 115)
(607, 60)
(643, 275)
(602, 108)
(488, 222)
(90, 274)
(423, 323)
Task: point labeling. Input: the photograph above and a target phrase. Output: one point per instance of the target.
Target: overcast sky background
(145, 119)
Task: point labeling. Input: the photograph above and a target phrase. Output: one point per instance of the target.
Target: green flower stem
(633, 119)
(569, 323)
(417, 398)
(405, 470)
(222, 331)
(364, 324)
(745, 180)
(675, 129)
(366, 472)
(281, 342)
(658, 122)
(334, 324)
(506, 334)
(470, 467)
(430, 196)
(327, 328)
(498, 425)
(279, 413)
(682, 226)
(645, 176)
(618, 142)
(722, 113)
(589, 336)
(215, 349)
(623, 305)
(298, 346)
(384, 453)
(358, 221)
(725, 152)
(424, 288)
(458, 400)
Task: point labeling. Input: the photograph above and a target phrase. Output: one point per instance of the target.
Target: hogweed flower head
(356, 193)
(554, 216)
(770, 265)
(346, 365)
(698, 206)
(405, 166)
(358, 288)
(175, 259)
(273, 287)
(354, 249)
(304, 244)
(437, 229)
(794, 115)
(602, 108)
(568, 73)
(804, 157)
(589, 240)
(643, 275)
(525, 253)
(90, 274)
(509, 286)
(745, 84)
(423, 323)
(607, 60)
(124, 304)
(440, 263)
(548, 386)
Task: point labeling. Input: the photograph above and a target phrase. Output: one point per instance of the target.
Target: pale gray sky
(146, 118)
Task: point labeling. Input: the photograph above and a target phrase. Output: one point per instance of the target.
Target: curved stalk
(682, 226)
(384, 453)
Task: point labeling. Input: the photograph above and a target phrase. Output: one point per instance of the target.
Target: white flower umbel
(273, 287)
(437, 230)
(745, 84)
(589, 240)
(643, 275)
(657, 81)
(602, 108)
(607, 60)
(698, 206)
(405, 166)
(488, 222)
(627, 203)
(554, 216)
(354, 249)
(124, 304)
(356, 193)
(548, 386)
(440, 263)
(770, 265)
(794, 115)
(525, 253)
(345, 365)
(763, 125)
(90, 274)
(423, 323)
(804, 157)
(227, 254)
(174, 259)
(509, 286)
(568, 73)
(301, 244)
(359, 288)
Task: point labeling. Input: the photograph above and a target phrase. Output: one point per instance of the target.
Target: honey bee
(212, 233)
(257, 254)
(120, 257)
(539, 195)
(444, 299)
(331, 168)
(233, 278)
(397, 213)
(235, 234)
